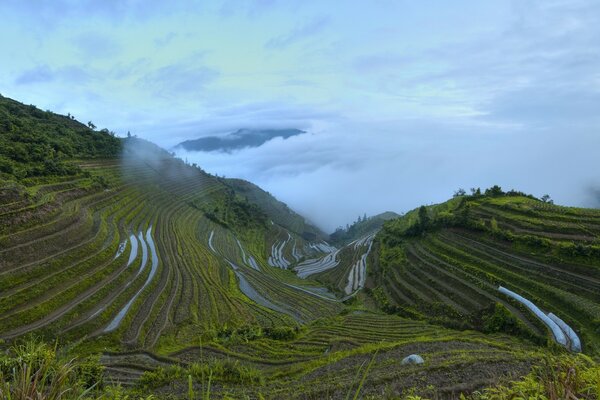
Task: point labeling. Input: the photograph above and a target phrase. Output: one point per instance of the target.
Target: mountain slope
(360, 228)
(35, 143)
(168, 274)
(277, 211)
(445, 263)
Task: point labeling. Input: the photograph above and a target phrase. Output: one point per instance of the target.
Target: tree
(424, 219)
(494, 224)
(460, 192)
(546, 199)
(494, 191)
(475, 191)
(91, 125)
(129, 135)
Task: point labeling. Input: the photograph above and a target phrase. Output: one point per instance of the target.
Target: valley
(165, 275)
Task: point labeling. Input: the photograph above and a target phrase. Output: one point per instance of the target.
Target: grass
(556, 378)
(450, 273)
(35, 370)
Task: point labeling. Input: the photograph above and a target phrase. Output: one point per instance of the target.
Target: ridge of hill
(36, 144)
(363, 226)
(445, 263)
(239, 139)
(278, 211)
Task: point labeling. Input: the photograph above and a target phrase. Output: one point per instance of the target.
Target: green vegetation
(363, 226)
(198, 273)
(34, 370)
(556, 378)
(445, 262)
(277, 211)
(34, 143)
(232, 211)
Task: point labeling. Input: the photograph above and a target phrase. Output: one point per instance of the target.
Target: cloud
(240, 139)
(44, 74)
(379, 62)
(548, 104)
(311, 28)
(219, 120)
(165, 39)
(38, 74)
(177, 80)
(402, 103)
(333, 175)
(251, 8)
(52, 14)
(594, 196)
(91, 45)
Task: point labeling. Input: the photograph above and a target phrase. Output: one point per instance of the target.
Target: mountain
(169, 281)
(239, 139)
(277, 211)
(445, 264)
(361, 227)
(35, 143)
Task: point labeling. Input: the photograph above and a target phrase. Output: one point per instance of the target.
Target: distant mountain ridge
(360, 228)
(242, 138)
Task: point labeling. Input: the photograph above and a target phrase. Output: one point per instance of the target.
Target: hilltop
(35, 143)
(363, 226)
(171, 281)
(446, 262)
(278, 211)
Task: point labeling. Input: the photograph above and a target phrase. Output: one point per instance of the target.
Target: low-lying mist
(139, 151)
(334, 175)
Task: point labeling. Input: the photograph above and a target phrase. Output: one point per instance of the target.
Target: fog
(334, 175)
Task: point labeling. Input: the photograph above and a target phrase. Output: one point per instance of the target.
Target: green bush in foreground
(224, 371)
(557, 378)
(34, 370)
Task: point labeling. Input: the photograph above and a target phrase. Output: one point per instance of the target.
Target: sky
(402, 102)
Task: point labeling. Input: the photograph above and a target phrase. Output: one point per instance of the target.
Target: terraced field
(323, 359)
(144, 268)
(171, 275)
(119, 262)
(453, 271)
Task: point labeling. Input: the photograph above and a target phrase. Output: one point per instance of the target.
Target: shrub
(556, 378)
(281, 332)
(33, 370)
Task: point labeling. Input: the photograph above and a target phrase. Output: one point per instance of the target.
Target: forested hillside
(36, 143)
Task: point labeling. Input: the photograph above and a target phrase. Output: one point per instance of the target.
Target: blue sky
(403, 101)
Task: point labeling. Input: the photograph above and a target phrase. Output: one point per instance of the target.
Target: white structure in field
(563, 333)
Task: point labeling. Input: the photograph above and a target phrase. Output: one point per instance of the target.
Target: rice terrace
(132, 270)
